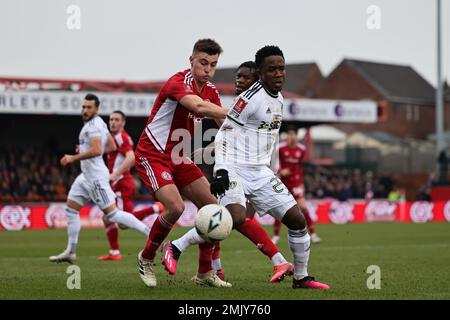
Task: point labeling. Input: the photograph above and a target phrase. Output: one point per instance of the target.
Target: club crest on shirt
(165, 175)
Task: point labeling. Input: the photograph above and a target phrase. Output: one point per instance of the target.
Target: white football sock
(299, 242)
(129, 220)
(73, 228)
(278, 259)
(188, 239)
(155, 208)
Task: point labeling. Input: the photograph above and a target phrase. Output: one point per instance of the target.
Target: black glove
(221, 183)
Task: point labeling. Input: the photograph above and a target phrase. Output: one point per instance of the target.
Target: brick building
(406, 99)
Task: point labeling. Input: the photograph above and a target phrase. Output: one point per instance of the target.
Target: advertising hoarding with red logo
(26, 217)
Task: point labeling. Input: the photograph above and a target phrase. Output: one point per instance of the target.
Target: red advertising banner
(26, 217)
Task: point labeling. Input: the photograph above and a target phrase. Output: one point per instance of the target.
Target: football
(213, 222)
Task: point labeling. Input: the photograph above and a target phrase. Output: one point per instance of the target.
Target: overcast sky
(139, 40)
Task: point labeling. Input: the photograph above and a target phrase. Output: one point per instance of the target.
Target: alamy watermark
(373, 21)
(230, 146)
(374, 280)
(74, 278)
(73, 21)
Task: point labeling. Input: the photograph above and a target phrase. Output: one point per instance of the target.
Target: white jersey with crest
(249, 133)
(94, 168)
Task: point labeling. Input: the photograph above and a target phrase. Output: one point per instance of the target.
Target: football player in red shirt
(120, 162)
(162, 163)
(291, 155)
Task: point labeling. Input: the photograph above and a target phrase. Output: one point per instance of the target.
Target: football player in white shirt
(93, 182)
(243, 149)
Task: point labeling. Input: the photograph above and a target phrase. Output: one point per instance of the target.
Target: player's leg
(112, 231)
(299, 243)
(270, 196)
(276, 231)
(112, 234)
(174, 207)
(309, 222)
(216, 262)
(103, 196)
(158, 177)
(76, 198)
(198, 192)
(254, 232)
(156, 208)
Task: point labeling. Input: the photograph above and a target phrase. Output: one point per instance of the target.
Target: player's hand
(221, 183)
(66, 160)
(113, 177)
(285, 172)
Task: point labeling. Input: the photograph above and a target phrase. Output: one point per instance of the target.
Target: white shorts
(262, 187)
(99, 191)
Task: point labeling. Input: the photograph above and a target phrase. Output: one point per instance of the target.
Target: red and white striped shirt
(124, 144)
(168, 114)
(292, 158)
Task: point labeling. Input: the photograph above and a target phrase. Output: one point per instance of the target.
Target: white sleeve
(93, 131)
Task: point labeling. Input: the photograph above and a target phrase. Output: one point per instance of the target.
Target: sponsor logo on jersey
(233, 184)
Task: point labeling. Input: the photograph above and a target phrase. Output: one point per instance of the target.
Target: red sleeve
(127, 144)
(215, 98)
(176, 89)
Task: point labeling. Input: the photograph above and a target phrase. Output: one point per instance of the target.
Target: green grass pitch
(414, 261)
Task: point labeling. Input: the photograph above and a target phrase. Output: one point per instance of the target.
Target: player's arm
(202, 107)
(94, 151)
(110, 144)
(126, 164)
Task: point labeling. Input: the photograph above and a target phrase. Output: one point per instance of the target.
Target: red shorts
(297, 191)
(124, 190)
(158, 170)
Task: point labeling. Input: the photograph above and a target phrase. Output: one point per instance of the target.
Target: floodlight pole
(440, 143)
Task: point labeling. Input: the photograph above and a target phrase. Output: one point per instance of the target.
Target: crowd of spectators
(343, 184)
(34, 174)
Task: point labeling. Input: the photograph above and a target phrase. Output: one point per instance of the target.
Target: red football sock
(252, 230)
(216, 252)
(144, 213)
(158, 233)
(276, 228)
(112, 233)
(205, 257)
(309, 222)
